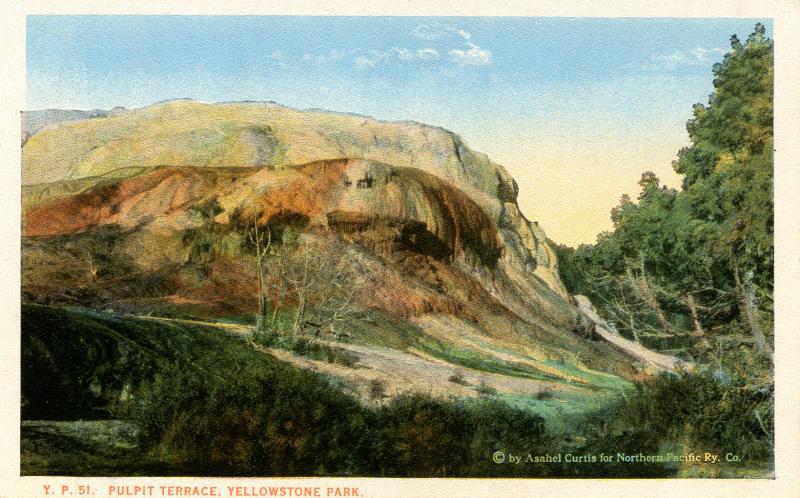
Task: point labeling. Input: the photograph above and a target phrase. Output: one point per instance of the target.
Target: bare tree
(324, 282)
(643, 289)
(262, 242)
(91, 266)
(698, 326)
(302, 285)
(280, 287)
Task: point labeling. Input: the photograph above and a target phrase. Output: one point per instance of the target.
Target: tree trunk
(659, 361)
(262, 298)
(647, 295)
(298, 318)
(281, 290)
(263, 303)
(301, 307)
(698, 327)
(747, 300)
(633, 328)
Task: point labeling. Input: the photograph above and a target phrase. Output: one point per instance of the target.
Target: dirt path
(401, 372)
(397, 371)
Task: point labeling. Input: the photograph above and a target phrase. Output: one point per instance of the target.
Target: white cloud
(694, 57)
(277, 55)
(699, 53)
(374, 57)
(323, 58)
(403, 53)
(364, 61)
(428, 32)
(427, 54)
(436, 31)
(474, 56)
(336, 55)
(447, 34)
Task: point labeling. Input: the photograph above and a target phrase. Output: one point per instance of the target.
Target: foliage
(205, 403)
(268, 419)
(485, 389)
(377, 389)
(683, 267)
(704, 411)
(274, 420)
(78, 364)
(309, 348)
(728, 167)
(546, 393)
(690, 272)
(458, 378)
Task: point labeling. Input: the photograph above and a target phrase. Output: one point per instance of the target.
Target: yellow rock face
(383, 169)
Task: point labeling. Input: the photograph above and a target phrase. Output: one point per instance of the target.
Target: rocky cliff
(186, 133)
(151, 206)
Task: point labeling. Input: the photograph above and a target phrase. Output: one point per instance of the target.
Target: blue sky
(578, 107)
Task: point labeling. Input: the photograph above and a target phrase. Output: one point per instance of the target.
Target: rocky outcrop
(413, 192)
(387, 235)
(250, 135)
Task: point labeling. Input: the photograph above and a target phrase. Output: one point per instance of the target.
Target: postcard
(417, 253)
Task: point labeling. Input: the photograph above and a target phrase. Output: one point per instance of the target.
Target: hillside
(388, 258)
(196, 400)
(231, 135)
(35, 121)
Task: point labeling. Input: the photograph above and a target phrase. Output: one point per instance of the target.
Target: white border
(786, 16)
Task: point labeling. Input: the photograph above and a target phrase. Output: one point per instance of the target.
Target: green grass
(247, 320)
(98, 447)
(369, 328)
(474, 360)
(309, 348)
(564, 411)
(599, 379)
(378, 329)
(471, 359)
(198, 401)
(78, 363)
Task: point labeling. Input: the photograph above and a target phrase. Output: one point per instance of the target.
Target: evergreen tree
(680, 260)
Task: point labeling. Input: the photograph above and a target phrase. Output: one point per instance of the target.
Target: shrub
(304, 346)
(485, 390)
(458, 378)
(497, 426)
(280, 421)
(708, 411)
(263, 419)
(424, 436)
(209, 404)
(377, 390)
(546, 392)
